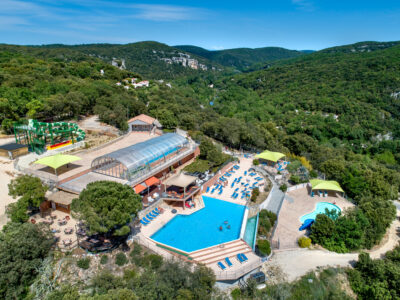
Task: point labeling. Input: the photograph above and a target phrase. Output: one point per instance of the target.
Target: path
(274, 201)
(296, 263)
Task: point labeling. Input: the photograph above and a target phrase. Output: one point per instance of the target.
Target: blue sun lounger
(239, 258)
(220, 192)
(154, 212)
(144, 219)
(228, 262)
(208, 189)
(143, 222)
(221, 265)
(153, 215)
(149, 217)
(244, 257)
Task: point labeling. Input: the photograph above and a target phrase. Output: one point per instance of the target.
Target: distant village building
(118, 83)
(101, 72)
(144, 123)
(141, 84)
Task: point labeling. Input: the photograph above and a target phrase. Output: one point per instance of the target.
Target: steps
(218, 253)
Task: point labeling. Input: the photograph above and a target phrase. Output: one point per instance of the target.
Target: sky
(211, 24)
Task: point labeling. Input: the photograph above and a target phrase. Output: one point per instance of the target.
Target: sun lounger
(208, 189)
(153, 216)
(228, 262)
(239, 258)
(221, 265)
(220, 192)
(148, 216)
(244, 257)
(143, 222)
(144, 219)
(155, 212)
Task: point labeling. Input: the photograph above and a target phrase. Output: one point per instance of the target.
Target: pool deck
(296, 204)
(245, 164)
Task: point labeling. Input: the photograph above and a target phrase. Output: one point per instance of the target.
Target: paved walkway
(274, 201)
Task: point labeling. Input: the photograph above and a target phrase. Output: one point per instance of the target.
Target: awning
(61, 197)
(181, 180)
(319, 184)
(271, 156)
(139, 188)
(152, 181)
(58, 160)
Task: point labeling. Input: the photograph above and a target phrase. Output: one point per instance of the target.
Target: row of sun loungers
(240, 257)
(236, 167)
(150, 216)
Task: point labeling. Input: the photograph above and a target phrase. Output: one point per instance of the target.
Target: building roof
(319, 184)
(12, 146)
(61, 197)
(271, 156)
(180, 180)
(144, 118)
(142, 154)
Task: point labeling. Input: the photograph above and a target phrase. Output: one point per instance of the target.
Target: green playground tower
(37, 135)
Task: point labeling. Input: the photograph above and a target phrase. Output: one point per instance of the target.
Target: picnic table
(68, 230)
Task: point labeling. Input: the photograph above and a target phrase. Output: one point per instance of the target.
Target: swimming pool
(202, 228)
(320, 209)
(250, 233)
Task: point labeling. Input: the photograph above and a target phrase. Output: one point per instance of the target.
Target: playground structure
(40, 136)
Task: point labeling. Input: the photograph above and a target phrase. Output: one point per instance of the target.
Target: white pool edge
(244, 223)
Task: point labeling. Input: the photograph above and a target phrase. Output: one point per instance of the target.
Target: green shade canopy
(271, 156)
(319, 184)
(58, 160)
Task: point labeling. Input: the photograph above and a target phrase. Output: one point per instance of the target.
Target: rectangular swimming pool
(218, 222)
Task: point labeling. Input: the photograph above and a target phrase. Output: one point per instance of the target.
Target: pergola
(330, 185)
(182, 181)
(56, 161)
(270, 155)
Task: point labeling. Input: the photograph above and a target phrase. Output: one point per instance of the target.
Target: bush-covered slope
(242, 58)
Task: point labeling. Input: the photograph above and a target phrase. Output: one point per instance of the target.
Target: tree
(322, 229)
(31, 192)
(22, 250)
(107, 207)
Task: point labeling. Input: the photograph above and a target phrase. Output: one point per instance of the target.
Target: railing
(298, 186)
(184, 197)
(245, 268)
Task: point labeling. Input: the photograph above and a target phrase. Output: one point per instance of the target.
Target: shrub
(313, 174)
(155, 261)
(236, 294)
(304, 242)
(256, 162)
(264, 247)
(137, 250)
(295, 179)
(254, 194)
(104, 259)
(266, 222)
(283, 188)
(120, 259)
(83, 263)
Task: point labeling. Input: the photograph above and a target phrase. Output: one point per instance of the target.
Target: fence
(298, 186)
(244, 269)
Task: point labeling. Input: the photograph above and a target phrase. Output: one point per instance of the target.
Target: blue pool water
(201, 229)
(249, 234)
(320, 209)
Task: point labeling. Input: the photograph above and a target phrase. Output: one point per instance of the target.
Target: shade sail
(58, 160)
(181, 180)
(152, 181)
(139, 188)
(271, 156)
(331, 185)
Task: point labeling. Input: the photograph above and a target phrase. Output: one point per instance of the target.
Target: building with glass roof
(136, 162)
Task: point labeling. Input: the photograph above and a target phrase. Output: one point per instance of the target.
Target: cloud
(305, 5)
(166, 13)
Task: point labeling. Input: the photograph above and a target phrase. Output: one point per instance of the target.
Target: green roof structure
(331, 185)
(56, 161)
(271, 156)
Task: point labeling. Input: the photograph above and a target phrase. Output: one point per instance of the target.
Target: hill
(361, 47)
(152, 60)
(242, 58)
